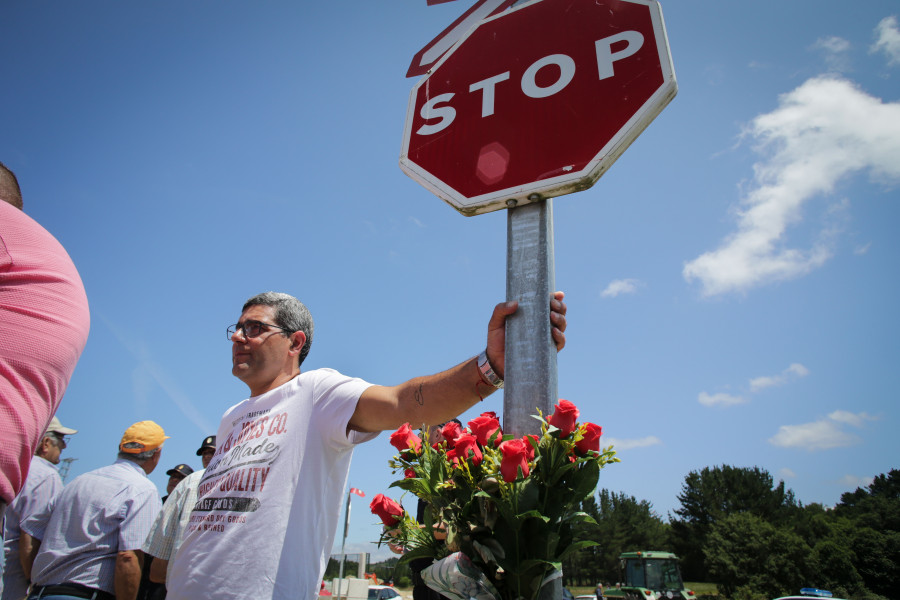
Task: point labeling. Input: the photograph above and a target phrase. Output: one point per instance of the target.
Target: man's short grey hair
(53, 440)
(290, 313)
(139, 458)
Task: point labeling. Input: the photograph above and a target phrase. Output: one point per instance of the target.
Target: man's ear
(298, 340)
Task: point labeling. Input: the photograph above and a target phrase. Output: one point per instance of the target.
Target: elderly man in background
(41, 486)
(207, 449)
(173, 522)
(176, 475)
(44, 322)
(150, 589)
(88, 541)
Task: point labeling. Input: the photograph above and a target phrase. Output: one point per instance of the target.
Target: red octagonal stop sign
(537, 102)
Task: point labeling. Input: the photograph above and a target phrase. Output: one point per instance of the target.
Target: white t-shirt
(269, 502)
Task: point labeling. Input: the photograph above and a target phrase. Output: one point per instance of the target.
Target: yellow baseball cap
(142, 437)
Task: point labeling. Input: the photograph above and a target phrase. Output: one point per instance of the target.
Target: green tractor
(650, 575)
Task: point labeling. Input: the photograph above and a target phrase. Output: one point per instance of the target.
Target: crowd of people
(258, 521)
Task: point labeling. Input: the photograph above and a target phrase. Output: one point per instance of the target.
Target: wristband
(487, 371)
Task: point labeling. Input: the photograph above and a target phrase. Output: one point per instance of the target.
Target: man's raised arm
(436, 398)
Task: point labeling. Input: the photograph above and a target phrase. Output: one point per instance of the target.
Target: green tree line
(736, 528)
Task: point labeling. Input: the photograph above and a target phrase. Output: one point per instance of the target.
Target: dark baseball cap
(182, 469)
(208, 442)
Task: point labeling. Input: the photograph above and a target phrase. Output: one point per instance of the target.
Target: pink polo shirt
(44, 322)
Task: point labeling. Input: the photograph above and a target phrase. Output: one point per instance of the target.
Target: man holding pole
(267, 498)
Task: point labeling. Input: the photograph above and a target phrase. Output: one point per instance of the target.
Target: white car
(382, 592)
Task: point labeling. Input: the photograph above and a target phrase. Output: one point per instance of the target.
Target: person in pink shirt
(44, 323)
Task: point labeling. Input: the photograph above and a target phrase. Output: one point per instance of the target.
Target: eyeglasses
(252, 328)
(61, 438)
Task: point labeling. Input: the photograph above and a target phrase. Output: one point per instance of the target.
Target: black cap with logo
(208, 442)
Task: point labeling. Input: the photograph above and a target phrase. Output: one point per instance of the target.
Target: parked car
(382, 592)
(809, 594)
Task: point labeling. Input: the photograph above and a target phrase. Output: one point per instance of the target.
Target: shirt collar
(133, 465)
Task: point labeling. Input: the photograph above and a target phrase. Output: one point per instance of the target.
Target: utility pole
(64, 469)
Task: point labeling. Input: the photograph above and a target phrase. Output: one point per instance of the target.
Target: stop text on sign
(438, 107)
(537, 102)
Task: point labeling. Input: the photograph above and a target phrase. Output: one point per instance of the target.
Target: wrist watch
(487, 371)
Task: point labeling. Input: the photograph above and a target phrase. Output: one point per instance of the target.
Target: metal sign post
(530, 368)
(529, 104)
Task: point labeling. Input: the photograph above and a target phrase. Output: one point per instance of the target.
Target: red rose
(386, 509)
(515, 456)
(452, 457)
(404, 439)
(409, 473)
(489, 413)
(483, 428)
(590, 438)
(564, 417)
(450, 432)
(466, 443)
(529, 447)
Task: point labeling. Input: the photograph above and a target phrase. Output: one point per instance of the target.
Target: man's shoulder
(313, 375)
(192, 480)
(326, 378)
(42, 469)
(306, 382)
(122, 473)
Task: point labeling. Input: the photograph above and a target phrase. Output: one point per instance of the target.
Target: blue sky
(732, 280)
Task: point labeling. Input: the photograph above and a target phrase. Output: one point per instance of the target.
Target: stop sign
(537, 102)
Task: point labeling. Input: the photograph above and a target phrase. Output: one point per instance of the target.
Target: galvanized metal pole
(530, 376)
(343, 543)
(530, 369)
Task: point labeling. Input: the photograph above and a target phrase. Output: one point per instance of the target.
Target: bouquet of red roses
(510, 505)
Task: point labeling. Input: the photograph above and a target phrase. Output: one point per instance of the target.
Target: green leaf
(575, 547)
(587, 478)
(532, 514)
(528, 495)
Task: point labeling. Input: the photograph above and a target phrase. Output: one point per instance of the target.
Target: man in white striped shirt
(90, 547)
(174, 521)
(41, 486)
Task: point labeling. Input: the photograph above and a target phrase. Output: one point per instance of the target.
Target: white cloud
(720, 399)
(821, 132)
(619, 444)
(758, 383)
(786, 473)
(798, 370)
(818, 435)
(823, 434)
(853, 482)
(835, 49)
(794, 371)
(861, 250)
(832, 44)
(842, 416)
(620, 286)
(417, 222)
(887, 40)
